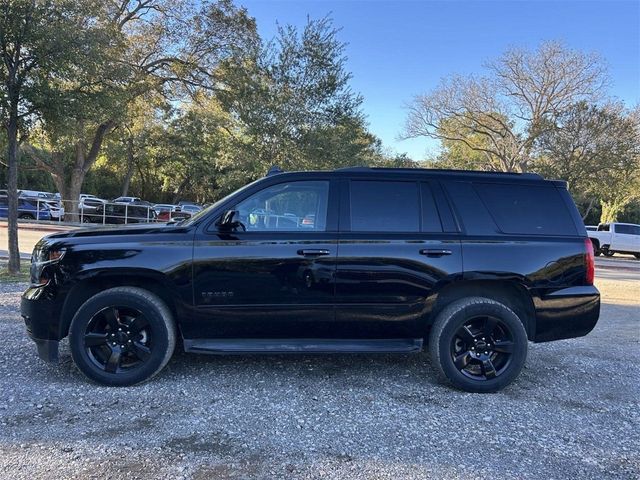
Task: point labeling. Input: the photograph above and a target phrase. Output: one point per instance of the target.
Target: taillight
(590, 261)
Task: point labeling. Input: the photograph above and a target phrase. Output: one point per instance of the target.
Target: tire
(122, 336)
(607, 253)
(637, 255)
(481, 372)
(26, 216)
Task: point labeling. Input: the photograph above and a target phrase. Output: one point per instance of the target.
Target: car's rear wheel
(607, 253)
(26, 216)
(122, 336)
(478, 344)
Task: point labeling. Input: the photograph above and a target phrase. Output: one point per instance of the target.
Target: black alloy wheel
(118, 339)
(122, 336)
(482, 348)
(478, 344)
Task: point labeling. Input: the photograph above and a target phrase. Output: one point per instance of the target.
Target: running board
(302, 345)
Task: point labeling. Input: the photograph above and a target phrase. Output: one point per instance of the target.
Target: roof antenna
(274, 171)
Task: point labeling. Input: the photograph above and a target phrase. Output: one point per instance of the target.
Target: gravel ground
(573, 413)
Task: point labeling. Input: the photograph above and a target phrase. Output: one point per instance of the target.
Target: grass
(23, 276)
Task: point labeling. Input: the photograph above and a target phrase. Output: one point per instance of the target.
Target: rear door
(395, 246)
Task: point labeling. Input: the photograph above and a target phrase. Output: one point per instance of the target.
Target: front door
(273, 277)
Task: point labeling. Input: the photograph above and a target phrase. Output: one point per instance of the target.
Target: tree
(155, 48)
(502, 113)
(597, 151)
(39, 40)
(293, 99)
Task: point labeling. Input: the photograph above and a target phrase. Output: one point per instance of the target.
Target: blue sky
(397, 49)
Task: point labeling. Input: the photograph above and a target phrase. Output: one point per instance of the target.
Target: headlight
(43, 255)
(40, 259)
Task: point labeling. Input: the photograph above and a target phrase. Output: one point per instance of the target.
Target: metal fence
(94, 212)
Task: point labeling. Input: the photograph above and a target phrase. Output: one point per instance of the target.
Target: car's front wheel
(478, 344)
(122, 336)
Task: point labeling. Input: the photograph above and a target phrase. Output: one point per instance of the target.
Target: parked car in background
(122, 213)
(190, 208)
(126, 200)
(164, 207)
(611, 238)
(28, 209)
(177, 214)
(86, 195)
(89, 206)
(56, 207)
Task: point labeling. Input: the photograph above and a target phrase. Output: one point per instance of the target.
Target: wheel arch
(96, 282)
(508, 292)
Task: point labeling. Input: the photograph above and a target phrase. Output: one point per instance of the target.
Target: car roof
(381, 172)
(437, 171)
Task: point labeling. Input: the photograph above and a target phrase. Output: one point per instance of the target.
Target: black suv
(355, 260)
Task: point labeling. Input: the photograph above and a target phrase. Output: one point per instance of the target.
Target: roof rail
(274, 170)
(435, 170)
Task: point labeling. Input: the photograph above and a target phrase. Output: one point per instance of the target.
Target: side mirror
(228, 221)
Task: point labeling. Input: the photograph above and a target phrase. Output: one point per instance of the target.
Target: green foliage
(597, 151)
(182, 100)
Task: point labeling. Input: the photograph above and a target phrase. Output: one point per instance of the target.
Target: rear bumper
(566, 313)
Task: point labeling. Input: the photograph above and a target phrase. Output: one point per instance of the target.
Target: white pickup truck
(612, 238)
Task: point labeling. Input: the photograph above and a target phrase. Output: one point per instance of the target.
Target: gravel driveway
(573, 413)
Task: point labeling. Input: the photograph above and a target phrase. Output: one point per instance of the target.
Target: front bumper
(38, 309)
(566, 313)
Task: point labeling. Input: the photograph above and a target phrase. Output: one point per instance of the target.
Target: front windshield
(203, 213)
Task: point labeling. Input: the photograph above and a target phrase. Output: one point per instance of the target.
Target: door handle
(318, 252)
(435, 252)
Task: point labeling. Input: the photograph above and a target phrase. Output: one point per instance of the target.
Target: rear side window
(527, 209)
(628, 229)
(385, 206)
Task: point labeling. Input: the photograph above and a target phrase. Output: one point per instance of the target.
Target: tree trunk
(130, 167)
(12, 189)
(586, 214)
(177, 193)
(69, 183)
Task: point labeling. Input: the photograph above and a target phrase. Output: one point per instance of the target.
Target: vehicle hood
(110, 234)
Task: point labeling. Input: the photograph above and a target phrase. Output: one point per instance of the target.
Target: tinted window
(527, 209)
(293, 206)
(385, 206)
(430, 217)
(469, 207)
(628, 229)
